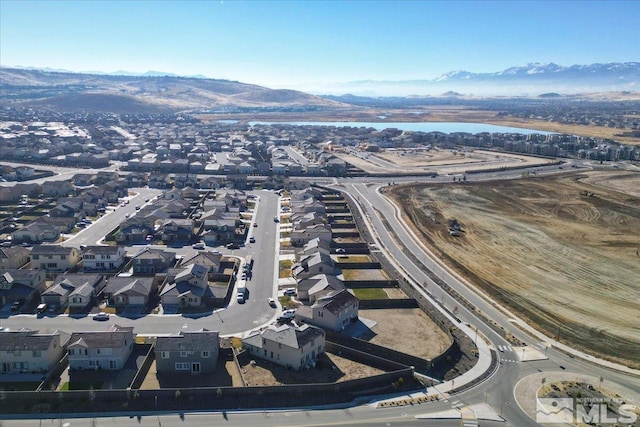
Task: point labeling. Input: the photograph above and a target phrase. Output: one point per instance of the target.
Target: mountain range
(162, 92)
(66, 91)
(528, 80)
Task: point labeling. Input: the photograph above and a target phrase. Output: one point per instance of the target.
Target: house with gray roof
(123, 291)
(187, 352)
(313, 287)
(13, 257)
(103, 258)
(25, 351)
(289, 345)
(152, 261)
(73, 290)
(187, 287)
(108, 349)
(301, 235)
(332, 311)
(316, 263)
(20, 285)
(54, 258)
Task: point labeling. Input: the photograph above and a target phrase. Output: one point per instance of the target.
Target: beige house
(334, 311)
(291, 346)
(23, 352)
(54, 258)
(300, 236)
(14, 257)
(108, 349)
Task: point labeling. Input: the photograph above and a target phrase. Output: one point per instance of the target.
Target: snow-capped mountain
(527, 80)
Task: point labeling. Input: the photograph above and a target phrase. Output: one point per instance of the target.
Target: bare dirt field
(413, 161)
(563, 252)
(407, 330)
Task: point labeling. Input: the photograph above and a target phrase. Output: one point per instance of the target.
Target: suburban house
(134, 229)
(186, 287)
(24, 352)
(152, 261)
(14, 257)
(288, 345)
(313, 287)
(73, 290)
(54, 258)
(194, 352)
(315, 245)
(123, 291)
(300, 236)
(20, 285)
(35, 232)
(333, 311)
(103, 258)
(206, 258)
(108, 349)
(317, 263)
(177, 230)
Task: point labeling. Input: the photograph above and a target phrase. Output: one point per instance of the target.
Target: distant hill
(121, 93)
(528, 80)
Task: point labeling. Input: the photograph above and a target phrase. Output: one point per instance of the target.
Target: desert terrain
(562, 252)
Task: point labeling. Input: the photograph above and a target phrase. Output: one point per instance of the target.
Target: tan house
(54, 258)
(334, 311)
(23, 352)
(291, 346)
(14, 257)
(108, 349)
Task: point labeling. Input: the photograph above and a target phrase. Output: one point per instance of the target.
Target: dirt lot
(436, 160)
(391, 330)
(408, 330)
(563, 252)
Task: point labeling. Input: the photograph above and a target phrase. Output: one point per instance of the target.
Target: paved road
(235, 319)
(500, 386)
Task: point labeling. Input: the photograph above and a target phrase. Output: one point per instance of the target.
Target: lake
(445, 127)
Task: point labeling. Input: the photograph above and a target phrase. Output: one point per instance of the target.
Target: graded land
(441, 161)
(562, 252)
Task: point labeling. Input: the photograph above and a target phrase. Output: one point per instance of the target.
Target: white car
(199, 246)
(101, 316)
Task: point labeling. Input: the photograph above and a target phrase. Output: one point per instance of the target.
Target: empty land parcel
(563, 252)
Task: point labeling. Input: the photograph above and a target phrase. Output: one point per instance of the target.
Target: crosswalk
(469, 423)
(505, 348)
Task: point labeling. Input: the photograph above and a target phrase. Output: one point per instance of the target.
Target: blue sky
(299, 44)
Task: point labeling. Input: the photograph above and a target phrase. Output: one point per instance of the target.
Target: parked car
(16, 305)
(199, 246)
(271, 302)
(340, 250)
(101, 316)
(252, 239)
(41, 308)
(291, 292)
(276, 219)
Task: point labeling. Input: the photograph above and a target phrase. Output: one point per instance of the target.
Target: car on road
(255, 224)
(199, 246)
(137, 207)
(101, 316)
(232, 246)
(276, 219)
(252, 239)
(271, 302)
